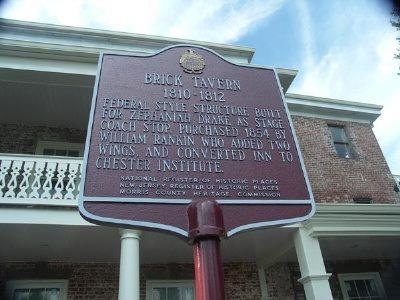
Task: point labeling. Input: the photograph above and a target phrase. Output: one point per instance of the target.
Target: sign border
(91, 217)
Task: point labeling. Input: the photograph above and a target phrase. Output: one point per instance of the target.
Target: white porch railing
(47, 180)
(39, 179)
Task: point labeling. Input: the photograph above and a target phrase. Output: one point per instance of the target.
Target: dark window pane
(73, 153)
(37, 294)
(361, 288)
(53, 294)
(173, 293)
(342, 150)
(372, 290)
(338, 134)
(187, 293)
(60, 152)
(21, 294)
(362, 200)
(159, 294)
(351, 289)
(48, 151)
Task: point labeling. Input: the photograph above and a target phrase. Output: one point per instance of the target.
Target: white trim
(361, 276)
(332, 109)
(355, 220)
(309, 278)
(351, 208)
(38, 283)
(84, 45)
(187, 201)
(34, 157)
(41, 216)
(262, 278)
(38, 202)
(150, 284)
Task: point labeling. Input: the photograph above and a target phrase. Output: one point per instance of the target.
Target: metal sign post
(205, 229)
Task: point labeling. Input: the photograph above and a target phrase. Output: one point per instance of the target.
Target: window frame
(361, 276)
(62, 284)
(150, 284)
(346, 141)
(41, 145)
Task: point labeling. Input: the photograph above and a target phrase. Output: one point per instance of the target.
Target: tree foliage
(396, 23)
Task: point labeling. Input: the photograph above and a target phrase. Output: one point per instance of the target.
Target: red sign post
(186, 142)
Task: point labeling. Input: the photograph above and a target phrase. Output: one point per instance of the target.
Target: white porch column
(129, 265)
(314, 276)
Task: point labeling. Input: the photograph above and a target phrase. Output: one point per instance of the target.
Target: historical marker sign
(184, 125)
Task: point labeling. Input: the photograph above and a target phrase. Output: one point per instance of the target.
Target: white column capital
(130, 233)
(308, 278)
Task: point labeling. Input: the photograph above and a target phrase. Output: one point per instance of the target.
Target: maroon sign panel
(186, 125)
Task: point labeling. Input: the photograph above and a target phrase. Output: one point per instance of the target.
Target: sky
(343, 49)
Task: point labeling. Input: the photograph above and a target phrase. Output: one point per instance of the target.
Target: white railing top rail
(35, 157)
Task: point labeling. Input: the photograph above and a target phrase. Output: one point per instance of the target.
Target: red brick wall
(85, 281)
(241, 281)
(23, 139)
(336, 179)
(281, 280)
(99, 281)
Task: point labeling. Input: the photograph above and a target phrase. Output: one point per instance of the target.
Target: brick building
(348, 250)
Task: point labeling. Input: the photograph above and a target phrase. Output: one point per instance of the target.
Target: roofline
(73, 50)
(332, 109)
(129, 42)
(334, 100)
(286, 77)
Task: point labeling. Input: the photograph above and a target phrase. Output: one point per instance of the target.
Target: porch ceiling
(349, 248)
(22, 242)
(45, 98)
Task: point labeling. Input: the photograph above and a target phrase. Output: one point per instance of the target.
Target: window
(340, 141)
(37, 290)
(59, 149)
(357, 286)
(362, 200)
(169, 290)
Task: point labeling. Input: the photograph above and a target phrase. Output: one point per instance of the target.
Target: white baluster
(80, 177)
(4, 170)
(37, 183)
(71, 186)
(48, 184)
(25, 184)
(13, 182)
(59, 187)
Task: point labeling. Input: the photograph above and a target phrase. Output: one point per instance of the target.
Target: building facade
(348, 250)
